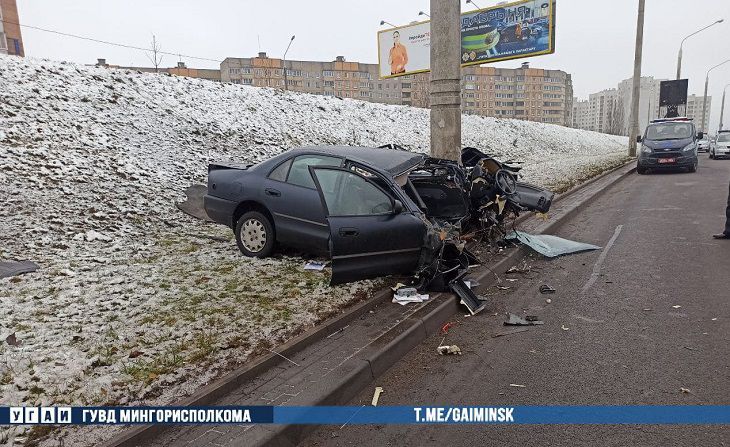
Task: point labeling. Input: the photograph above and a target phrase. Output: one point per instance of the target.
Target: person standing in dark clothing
(725, 234)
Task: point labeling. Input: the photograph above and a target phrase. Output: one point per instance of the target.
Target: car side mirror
(700, 135)
(397, 207)
(638, 138)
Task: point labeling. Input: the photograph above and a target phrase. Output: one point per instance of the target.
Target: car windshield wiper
(666, 139)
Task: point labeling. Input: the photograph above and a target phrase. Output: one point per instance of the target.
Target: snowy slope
(136, 302)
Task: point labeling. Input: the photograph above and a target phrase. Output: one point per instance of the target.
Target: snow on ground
(137, 303)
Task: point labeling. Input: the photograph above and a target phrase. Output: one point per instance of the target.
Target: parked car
(669, 143)
(703, 145)
(720, 147)
(375, 211)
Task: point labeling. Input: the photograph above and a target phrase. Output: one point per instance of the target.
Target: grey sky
(594, 42)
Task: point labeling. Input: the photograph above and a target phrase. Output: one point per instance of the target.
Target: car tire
(692, 168)
(640, 170)
(255, 235)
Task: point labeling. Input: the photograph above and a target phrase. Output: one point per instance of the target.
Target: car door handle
(349, 232)
(272, 192)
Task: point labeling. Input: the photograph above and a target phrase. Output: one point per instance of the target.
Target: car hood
(659, 145)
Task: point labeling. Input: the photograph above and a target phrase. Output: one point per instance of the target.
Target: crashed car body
(375, 211)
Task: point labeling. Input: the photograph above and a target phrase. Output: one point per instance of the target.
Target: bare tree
(156, 57)
(616, 119)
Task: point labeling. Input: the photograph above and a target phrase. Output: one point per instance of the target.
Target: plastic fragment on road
(315, 265)
(550, 246)
(546, 289)
(516, 320)
(676, 306)
(516, 385)
(14, 268)
(467, 297)
(564, 327)
(448, 350)
(685, 390)
(376, 395)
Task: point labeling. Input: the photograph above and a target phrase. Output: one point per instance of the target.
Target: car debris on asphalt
(376, 395)
(448, 350)
(505, 333)
(546, 289)
(406, 295)
(516, 320)
(14, 268)
(549, 245)
(315, 265)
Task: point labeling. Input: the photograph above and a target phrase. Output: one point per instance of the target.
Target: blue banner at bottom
(636, 414)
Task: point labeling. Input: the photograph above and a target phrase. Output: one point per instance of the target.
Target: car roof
(393, 161)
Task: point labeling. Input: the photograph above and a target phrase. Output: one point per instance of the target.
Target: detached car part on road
(375, 211)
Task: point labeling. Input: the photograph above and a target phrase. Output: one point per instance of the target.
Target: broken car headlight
(645, 149)
(689, 147)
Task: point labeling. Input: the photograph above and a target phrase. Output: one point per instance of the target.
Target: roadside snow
(136, 302)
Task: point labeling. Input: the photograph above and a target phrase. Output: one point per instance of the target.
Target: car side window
(299, 172)
(279, 173)
(348, 194)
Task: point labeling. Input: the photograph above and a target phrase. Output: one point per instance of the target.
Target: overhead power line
(106, 42)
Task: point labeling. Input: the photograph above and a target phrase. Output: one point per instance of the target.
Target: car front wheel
(255, 235)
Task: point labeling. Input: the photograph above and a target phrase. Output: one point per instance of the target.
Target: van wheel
(255, 235)
(640, 170)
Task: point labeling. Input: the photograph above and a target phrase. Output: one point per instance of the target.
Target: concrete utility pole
(704, 99)
(446, 79)
(722, 105)
(637, 80)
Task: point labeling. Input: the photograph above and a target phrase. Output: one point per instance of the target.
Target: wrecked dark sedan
(375, 211)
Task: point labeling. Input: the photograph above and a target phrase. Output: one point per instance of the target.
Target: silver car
(703, 145)
(720, 146)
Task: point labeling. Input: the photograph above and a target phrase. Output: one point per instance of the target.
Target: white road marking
(597, 266)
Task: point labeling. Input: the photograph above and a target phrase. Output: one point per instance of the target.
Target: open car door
(370, 232)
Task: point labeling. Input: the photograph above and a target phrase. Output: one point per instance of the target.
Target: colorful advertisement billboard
(510, 31)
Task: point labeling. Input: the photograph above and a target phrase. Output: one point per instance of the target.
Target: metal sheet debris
(467, 297)
(449, 350)
(516, 320)
(315, 265)
(376, 395)
(13, 268)
(550, 246)
(404, 295)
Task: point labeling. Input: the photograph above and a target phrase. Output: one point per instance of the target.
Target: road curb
(408, 334)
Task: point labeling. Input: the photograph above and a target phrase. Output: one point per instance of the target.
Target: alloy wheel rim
(253, 235)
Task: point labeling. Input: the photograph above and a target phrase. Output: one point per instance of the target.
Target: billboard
(510, 31)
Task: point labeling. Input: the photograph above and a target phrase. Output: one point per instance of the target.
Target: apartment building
(11, 40)
(180, 70)
(694, 111)
(523, 93)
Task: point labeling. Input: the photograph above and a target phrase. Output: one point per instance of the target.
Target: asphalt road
(613, 333)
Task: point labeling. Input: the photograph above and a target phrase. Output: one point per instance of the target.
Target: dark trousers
(727, 213)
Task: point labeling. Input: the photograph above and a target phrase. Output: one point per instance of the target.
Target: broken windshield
(669, 131)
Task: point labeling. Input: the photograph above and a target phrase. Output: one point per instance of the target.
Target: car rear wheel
(255, 235)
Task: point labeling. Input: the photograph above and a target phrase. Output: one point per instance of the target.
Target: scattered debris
(523, 269)
(515, 385)
(340, 330)
(12, 340)
(405, 295)
(714, 319)
(285, 358)
(516, 331)
(647, 309)
(315, 265)
(516, 320)
(689, 348)
(468, 298)
(685, 390)
(564, 327)
(449, 350)
(14, 268)
(445, 328)
(548, 300)
(676, 306)
(550, 246)
(376, 395)
(546, 289)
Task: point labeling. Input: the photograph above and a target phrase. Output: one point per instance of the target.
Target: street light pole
(635, 90)
(679, 56)
(722, 105)
(475, 5)
(446, 79)
(421, 13)
(286, 84)
(704, 100)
